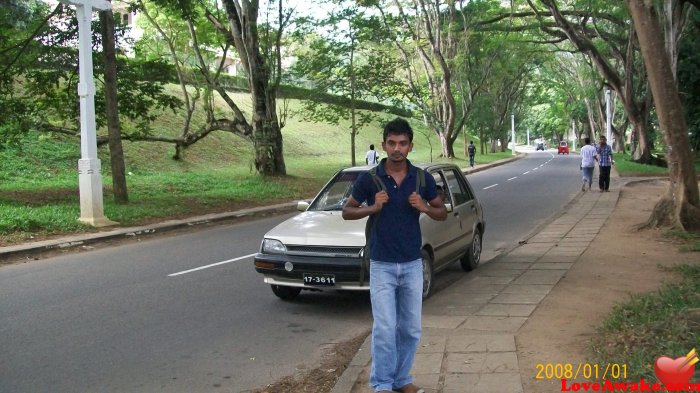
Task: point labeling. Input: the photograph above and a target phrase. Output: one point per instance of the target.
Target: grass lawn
(39, 192)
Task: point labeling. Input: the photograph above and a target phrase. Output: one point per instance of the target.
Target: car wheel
(427, 274)
(285, 293)
(472, 257)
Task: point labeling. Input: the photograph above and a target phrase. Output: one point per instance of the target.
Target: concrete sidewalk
(469, 328)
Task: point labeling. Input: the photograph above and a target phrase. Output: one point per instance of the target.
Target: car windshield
(335, 193)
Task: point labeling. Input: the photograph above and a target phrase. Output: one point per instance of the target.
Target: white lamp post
(512, 131)
(89, 176)
(608, 117)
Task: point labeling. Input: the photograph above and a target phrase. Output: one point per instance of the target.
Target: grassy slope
(38, 180)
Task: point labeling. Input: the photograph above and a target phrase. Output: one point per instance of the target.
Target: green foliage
(350, 61)
(639, 331)
(689, 77)
(38, 88)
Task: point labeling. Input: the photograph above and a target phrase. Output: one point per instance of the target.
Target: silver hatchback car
(318, 250)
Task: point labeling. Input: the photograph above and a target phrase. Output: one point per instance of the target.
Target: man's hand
(417, 202)
(379, 200)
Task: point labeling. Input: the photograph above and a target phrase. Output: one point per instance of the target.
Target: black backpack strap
(420, 179)
(376, 180)
(369, 226)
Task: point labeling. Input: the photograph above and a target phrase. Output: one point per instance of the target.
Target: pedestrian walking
(605, 161)
(396, 267)
(371, 157)
(471, 150)
(588, 158)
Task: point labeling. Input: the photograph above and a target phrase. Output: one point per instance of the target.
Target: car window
(460, 191)
(334, 195)
(440, 184)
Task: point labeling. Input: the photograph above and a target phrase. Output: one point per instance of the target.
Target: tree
(351, 62)
(40, 81)
(259, 48)
(597, 25)
(116, 151)
(263, 79)
(681, 205)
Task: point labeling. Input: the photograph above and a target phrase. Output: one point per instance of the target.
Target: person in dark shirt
(472, 152)
(605, 161)
(396, 266)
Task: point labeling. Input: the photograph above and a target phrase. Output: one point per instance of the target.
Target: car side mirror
(303, 205)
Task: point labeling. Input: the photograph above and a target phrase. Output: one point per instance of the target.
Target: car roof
(424, 166)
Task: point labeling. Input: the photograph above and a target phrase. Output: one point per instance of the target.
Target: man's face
(603, 141)
(397, 147)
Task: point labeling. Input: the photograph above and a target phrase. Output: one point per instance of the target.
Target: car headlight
(272, 246)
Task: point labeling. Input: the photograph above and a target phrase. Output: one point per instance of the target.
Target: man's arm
(353, 210)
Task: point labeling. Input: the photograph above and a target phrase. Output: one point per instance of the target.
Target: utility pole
(512, 131)
(608, 117)
(89, 175)
(528, 136)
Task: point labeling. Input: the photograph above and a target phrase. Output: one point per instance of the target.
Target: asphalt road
(187, 313)
(523, 195)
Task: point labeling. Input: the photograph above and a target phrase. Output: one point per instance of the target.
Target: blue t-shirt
(396, 235)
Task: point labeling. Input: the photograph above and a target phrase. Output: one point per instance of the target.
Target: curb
(131, 232)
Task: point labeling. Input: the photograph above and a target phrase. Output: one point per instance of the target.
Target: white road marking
(493, 185)
(212, 265)
(525, 173)
(512, 178)
(534, 169)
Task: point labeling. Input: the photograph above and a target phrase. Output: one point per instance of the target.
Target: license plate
(321, 280)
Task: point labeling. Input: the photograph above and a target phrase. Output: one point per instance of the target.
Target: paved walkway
(469, 328)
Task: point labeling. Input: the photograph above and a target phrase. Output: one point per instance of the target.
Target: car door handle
(456, 214)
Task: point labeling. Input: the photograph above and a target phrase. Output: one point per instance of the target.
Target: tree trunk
(681, 205)
(267, 133)
(116, 152)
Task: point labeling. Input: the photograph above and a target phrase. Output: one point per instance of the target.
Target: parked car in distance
(540, 146)
(318, 249)
(563, 147)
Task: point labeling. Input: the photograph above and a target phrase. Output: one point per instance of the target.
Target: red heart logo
(671, 374)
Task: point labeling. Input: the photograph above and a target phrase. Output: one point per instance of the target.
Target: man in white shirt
(588, 158)
(372, 157)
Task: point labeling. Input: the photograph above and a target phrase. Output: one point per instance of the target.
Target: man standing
(396, 267)
(605, 161)
(472, 152)
(371, 158)
(588, 157)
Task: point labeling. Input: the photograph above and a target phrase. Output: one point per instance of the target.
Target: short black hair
(587, 140)
(371, 147)
(398, 126)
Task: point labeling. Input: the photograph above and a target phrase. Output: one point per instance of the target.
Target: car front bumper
(289, 270)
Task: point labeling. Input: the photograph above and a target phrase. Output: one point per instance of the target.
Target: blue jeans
(396, 291)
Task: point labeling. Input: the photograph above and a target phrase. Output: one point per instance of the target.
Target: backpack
(372, 219)
(472, 150)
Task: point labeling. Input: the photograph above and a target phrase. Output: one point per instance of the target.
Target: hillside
(39, 183)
